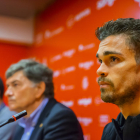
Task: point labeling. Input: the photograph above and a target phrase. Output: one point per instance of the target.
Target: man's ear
(40, 89)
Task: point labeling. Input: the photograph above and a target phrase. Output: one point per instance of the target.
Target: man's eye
(113, 59)
(100, 61)
(15, 85)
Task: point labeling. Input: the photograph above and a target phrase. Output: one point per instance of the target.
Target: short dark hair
(35, 72)
(1, 89)
(129, 27)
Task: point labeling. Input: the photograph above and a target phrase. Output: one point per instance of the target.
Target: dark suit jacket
(56, 122)
(121, 129)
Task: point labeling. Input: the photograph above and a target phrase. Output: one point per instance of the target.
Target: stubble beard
(127, 96)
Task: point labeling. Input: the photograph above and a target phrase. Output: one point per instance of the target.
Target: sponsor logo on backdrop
(82, 14)
(72, 19)
(68, 103)
(137, 1)
(85, 101)
(81, 47)
(85, 83)
(64, 87)
(56, 58)
(86, 65)
(39, 38)
(98, 101)
(64, 71)
(85, 121)
(49, 34)
(103, 3)
(86, 137)
(69, 53)
(69, 69)
(56, 73)
(103, 120)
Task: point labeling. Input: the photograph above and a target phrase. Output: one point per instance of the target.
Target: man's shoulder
(60, 108)
(6, 112)
(10, 128)
(109, 130)
(6, 109)
(62, 122)
(54, 110)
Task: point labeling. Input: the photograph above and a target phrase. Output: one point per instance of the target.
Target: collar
(32, 120)
(120, 119)
(118, 125)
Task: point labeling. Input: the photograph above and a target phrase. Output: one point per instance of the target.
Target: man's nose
(102, 70)
(8, 92)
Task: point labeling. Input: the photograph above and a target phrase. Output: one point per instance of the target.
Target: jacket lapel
(43, 115)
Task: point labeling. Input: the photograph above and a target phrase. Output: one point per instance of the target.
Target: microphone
(14, 118)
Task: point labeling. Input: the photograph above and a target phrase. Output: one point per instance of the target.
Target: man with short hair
(6, 131)
(30, 87)
(119, 75)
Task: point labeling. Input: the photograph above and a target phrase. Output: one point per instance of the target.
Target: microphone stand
(14, 118)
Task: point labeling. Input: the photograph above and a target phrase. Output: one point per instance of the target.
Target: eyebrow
(108, 53)
(13, 82)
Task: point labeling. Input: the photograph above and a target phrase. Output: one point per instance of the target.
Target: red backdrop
(65, 41)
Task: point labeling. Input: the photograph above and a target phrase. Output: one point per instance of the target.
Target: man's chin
(107, 98)
(12, 108)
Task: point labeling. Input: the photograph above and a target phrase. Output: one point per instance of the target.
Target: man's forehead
(17, 76)
(112, 45)
(103, 51)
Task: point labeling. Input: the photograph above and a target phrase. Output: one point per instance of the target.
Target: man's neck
(33, 107)
(131, 109)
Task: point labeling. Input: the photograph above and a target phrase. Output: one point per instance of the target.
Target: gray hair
(129, 27)
(35, 72)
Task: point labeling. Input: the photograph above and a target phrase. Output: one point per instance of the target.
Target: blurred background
(61, 35)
